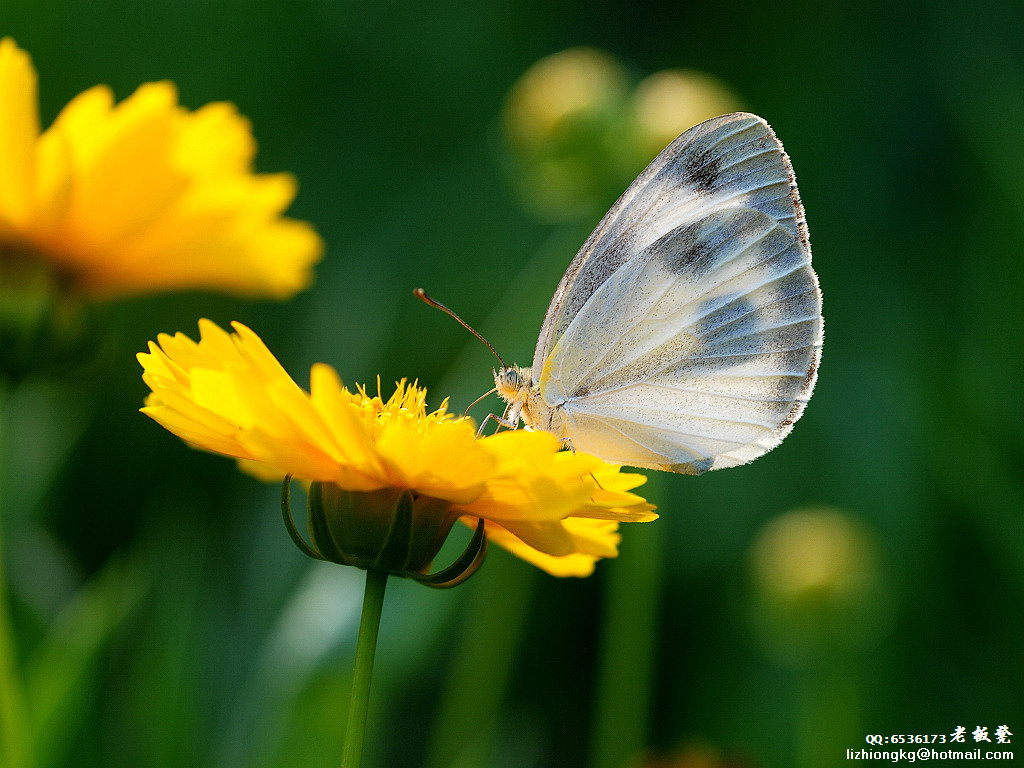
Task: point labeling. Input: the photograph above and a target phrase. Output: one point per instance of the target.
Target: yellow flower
(665, 104)
(144, 195)
(228, 394)
(579, 130)
(575, 84)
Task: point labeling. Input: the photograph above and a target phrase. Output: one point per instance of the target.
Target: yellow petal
(215, 139)
(640, 512)
(532, 480)
(196, 433)
(577, 564)
(330, 399)
(123, 184)
(293, 456)
(52, 193)
(216, 392)
(19, 129)
(83, 123)
(599, 538)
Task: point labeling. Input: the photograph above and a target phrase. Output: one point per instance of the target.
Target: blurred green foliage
(163, 617)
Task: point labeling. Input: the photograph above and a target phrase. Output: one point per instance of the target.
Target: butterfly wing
(686, 333)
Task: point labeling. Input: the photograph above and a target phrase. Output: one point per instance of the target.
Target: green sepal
(464, 567)
(46, 327)
(398, 543)
(393, 530)
(289, 522)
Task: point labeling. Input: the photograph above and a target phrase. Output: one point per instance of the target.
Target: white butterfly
(686, 333)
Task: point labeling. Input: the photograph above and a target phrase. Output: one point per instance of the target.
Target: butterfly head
(513, 383)
(515, 386)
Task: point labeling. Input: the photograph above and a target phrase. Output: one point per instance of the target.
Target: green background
(165, 619)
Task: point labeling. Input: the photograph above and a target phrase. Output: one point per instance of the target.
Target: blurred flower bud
(559, 117)
(818, 583)
(669, 102)
(578, 135)
(578, 84)
(696, 755)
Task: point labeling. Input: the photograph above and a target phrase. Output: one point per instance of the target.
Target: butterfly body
(686, 333)
(517, 388)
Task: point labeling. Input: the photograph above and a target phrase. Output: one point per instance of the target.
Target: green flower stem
(14, 734)
(366, 647)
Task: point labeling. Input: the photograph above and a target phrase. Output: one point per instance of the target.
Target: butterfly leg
(497, 419)
(568, 443)
(596, 481)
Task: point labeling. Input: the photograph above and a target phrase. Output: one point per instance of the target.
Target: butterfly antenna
(420, 294)
(488, 393)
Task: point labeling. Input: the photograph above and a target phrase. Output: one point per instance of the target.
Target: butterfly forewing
(730, 161)
(686, 333)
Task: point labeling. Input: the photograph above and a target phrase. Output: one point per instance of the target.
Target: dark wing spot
(681, 249)
(698, 249)
(702, 170)
(722, 310)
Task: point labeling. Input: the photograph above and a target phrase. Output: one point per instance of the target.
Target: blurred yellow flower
(556, 119)
(579, 129)
(144, 195)
(665, 104)
(577, 83)
(817, 553)
(228, 394)
(692, 756)
(820, 585)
